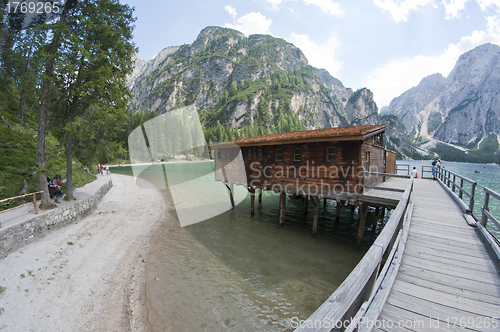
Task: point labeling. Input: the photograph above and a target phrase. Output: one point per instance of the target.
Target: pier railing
(426, 170)
(21, 196)
(486, 216)
(403, 169)
(359, 295)
(455, 182)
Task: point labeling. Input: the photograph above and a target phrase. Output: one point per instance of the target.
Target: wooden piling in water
(252, 202)
(306, 205)
(363, 209)
(337, 211)
(231, 194)
(282, 207)
(375, 220)
(316, 213)
(260, 195)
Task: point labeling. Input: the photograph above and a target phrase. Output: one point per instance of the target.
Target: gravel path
(86, 276)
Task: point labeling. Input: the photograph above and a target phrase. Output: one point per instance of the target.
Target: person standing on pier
(434, 169)
(414, 173)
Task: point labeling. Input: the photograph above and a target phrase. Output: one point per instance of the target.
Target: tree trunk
(69, 167)
(44, 105)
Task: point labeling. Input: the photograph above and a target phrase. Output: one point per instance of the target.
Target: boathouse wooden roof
(357, 133)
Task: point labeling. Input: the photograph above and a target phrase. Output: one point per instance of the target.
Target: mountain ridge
(240, 81)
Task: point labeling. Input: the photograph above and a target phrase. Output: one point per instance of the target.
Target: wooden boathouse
(333, 163)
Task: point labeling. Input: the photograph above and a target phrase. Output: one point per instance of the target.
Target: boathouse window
(259, 154)
(249, 154)
(279, 154)
(296, 154)
(331, 154)
(377, 140)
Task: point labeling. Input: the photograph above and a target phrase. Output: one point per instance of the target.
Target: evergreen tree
(94, 58)
(233, 89)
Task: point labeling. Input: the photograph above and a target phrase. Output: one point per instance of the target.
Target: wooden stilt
(316, 212)
(260, 195)
(337, 211)
(363, 210)
(231, 193)
(353, 208)
(324, 203)
(282, 207)
(230, 188)
(306, 205)
(383, 214)
(252, 202)
(375, 221)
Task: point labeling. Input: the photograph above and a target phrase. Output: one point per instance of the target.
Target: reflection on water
(237, 273)
(248, 274)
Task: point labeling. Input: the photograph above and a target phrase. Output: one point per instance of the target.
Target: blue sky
(387, 46)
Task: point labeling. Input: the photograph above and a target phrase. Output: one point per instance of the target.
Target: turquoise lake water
(237, 272)
(240, 273)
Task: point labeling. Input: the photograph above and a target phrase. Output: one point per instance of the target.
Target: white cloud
(231, 11)
(452, 7)
(327, 6)
(274, 3)
(493, 24)
(321, 56)
(488, 3)
(397, 76)
(252, 23)
(400, 10)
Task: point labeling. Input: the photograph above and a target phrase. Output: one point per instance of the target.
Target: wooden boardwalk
(447, 280)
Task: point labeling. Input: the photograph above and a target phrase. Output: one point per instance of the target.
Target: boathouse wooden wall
(390, 162)
(373, 159)
(331, 179)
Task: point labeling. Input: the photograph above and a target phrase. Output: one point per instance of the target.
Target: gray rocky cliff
(461, 109)
(237, 81)
(471, 100)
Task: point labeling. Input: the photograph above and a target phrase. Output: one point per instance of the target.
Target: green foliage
(450, 153)
(18, 154)
(489, 144)
(435, 119)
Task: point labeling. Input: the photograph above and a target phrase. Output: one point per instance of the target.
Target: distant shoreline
(164, 162)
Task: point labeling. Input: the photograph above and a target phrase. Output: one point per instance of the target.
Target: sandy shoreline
(165, 163)
(86, 276)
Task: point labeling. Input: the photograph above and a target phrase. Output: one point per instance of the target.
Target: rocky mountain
(461, 109)
(240, 81)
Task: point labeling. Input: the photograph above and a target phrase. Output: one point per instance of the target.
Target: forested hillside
(63, 98)
(247, 86)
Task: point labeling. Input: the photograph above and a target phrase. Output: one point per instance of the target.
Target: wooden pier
(434, 267)
(447, 280)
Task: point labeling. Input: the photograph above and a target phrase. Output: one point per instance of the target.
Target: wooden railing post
(34, 204)
(473, 191)
(484, 218)
(454, 179)
(460, 194)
